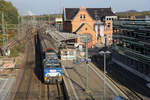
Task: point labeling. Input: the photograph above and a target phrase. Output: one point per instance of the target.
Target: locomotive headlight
(45, 78)
(60, 78)
(47, 75)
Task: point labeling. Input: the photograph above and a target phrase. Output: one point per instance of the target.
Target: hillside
(133, 13)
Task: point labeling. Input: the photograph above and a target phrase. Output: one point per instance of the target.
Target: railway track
(14, 42)
(52, 91)
(123, 80)
(55, 92)
(30, 86)
(131, 94)
(23, 90)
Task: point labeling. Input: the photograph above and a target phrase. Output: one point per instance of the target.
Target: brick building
(92, 21)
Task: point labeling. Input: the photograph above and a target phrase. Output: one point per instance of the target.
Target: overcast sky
(53, 6)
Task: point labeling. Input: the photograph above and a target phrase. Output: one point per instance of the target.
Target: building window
(71, 53)
(109, 37)
(65, 53)
(81, 16)
(108, 25)
(84, 16)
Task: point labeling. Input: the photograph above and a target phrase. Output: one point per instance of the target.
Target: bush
(15, 51)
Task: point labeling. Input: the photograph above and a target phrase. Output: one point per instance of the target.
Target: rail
(132, 95)
(55, 91)
(131, 92)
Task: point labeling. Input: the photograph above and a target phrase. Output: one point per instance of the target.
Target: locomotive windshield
(53, 63)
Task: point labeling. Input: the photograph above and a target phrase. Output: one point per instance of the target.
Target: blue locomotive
(51, 67)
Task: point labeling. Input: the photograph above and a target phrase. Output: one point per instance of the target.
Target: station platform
(6, 86)
(75, 82)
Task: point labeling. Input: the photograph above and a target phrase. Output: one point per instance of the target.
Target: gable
(85, 17)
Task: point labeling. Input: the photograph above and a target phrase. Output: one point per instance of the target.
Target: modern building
(131, 46)
(67, 52)
(93, 22)
(59, 24)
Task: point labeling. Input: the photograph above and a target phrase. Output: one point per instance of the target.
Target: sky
(39, 7)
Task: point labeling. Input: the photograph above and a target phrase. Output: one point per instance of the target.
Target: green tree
(10, 12)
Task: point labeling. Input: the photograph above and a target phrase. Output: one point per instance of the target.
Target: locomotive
(52, 69)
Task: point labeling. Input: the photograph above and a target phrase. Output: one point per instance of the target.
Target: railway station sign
(83, 60)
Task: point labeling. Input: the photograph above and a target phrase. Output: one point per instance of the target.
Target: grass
(15, 51)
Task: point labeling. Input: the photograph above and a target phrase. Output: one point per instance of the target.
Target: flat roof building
(131, 46)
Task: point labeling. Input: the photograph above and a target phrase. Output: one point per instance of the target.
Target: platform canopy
(63, 36)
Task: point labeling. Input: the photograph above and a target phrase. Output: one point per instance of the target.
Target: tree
(10, 12)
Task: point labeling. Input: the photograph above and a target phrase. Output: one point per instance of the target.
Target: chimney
(82, 8)
(64, 14)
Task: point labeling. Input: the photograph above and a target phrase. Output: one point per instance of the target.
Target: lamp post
(104, 53)
(86, 57)
(5, 35)
(3, 28)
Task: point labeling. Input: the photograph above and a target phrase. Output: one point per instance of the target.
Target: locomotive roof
(49, 49)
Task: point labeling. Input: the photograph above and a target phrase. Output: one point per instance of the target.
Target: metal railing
(132, 54)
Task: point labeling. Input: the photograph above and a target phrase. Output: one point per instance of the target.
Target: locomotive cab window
(52, 64)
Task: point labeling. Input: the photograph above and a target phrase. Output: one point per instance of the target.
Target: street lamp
(104, 53)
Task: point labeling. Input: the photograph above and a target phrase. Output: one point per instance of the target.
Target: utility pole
(18, 29)
(86, 57)
(105, 68)
(105, 58)
(22, 26)
(6, 37)
(3, 30)
(104, 75)
(60, 6)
